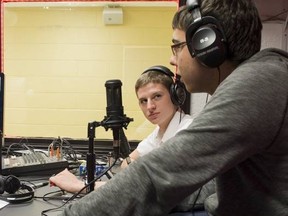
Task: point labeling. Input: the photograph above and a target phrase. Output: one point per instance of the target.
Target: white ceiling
(272, 9)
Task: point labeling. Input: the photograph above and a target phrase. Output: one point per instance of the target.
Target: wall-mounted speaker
(113, 16)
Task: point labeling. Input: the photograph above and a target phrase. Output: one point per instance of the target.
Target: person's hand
(65, 180)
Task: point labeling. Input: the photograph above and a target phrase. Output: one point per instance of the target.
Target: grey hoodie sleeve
(239, 122)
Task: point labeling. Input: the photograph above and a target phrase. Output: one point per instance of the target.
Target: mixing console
(32, 164)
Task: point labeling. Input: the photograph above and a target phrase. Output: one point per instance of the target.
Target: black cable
(207, 97)
(43, 213)
(21, 144)
(46, 196)
(219, 76)
(195, 201)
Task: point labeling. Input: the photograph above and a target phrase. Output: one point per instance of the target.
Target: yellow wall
(56, 61)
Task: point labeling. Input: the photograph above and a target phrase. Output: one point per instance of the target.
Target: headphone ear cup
(11, 184)
(2, 185)
(178, 93)
(212, 54)
(206, 41)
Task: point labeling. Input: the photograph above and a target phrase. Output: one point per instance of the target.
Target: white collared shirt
(175, 125)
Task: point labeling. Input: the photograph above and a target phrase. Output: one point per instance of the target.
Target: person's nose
(172, 60)
(150, 105)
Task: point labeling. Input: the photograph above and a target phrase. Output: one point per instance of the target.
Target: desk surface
(35, 206)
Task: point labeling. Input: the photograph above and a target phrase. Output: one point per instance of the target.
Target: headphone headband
(15, 191)
(21, 196)
(177, 89)
(161, 69)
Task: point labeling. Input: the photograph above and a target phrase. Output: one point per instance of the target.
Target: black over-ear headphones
(205, 37)
(177, 89)
(15, 191)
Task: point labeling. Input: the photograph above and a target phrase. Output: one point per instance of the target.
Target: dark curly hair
(240, 22)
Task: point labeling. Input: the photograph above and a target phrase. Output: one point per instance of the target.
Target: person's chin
(153, 120)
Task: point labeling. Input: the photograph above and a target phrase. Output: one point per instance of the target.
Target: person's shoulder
(273, 51)
(268, 56)
(186, 120)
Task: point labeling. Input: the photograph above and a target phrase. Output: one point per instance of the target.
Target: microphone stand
(116, 126)
(115, 120)
(1, 146)
(91, 157)
(124, 146)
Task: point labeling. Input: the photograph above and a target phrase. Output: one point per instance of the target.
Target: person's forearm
(124, 163)
(98, 184)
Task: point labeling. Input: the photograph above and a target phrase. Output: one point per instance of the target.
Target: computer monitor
(1, 117)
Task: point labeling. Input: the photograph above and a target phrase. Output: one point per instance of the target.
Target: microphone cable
(195, 201)
(207, 98)
(44, 212)
(125, 148)
(199, 191)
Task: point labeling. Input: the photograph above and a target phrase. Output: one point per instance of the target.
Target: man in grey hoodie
(240, 138)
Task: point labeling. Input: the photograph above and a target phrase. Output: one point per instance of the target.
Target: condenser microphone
(115, 118)
(114, 109)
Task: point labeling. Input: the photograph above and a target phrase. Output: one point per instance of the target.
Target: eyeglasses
(176, 48)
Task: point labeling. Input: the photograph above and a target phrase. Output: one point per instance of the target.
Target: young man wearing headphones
(240, 137)
(160, 99)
